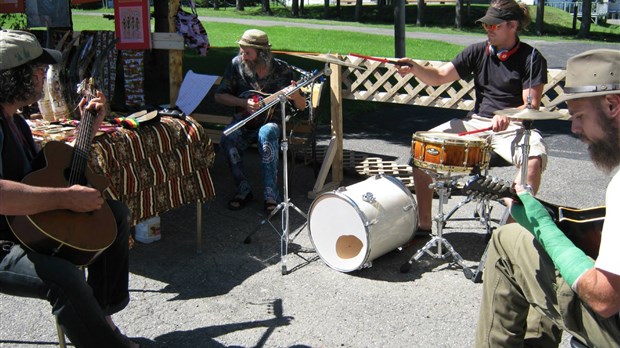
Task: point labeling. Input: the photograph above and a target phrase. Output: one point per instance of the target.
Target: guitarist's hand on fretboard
(94, 105)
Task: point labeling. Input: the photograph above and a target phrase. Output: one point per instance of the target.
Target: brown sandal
(238, 203)
(269, 206)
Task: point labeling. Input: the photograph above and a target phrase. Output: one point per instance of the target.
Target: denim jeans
(268, 138)
(80, 305)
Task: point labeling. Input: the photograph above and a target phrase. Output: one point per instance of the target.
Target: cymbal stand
(441, 185)
(476, 276)
(286, 203)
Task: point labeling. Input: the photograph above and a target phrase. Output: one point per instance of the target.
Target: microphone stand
(286, 203)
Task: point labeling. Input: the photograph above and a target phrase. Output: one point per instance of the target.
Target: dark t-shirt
(236, 82)
(17, 152)
(499, 85)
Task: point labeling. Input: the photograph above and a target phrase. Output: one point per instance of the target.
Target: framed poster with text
(132, 24)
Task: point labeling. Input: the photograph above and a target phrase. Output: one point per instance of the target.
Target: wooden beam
(175, 65)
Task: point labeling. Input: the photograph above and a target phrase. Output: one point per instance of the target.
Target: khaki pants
(525, 301)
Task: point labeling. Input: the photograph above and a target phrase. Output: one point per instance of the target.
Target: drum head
(338, 232)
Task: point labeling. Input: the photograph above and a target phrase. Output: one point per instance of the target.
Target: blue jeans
(268, 138)
(80, 305)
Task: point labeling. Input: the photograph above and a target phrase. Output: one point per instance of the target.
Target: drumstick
(476, 131)
(380, 59)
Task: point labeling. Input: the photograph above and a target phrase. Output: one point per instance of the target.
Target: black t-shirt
(499, 85)
(16, 155)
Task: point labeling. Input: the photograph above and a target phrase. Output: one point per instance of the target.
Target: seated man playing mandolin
(252, 76)
(83, 307)
(533, 271)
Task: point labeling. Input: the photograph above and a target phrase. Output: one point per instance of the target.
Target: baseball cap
(497, 16)
(20, 47)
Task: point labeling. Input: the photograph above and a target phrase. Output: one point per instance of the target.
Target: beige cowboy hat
(254, 38)
(591, 73)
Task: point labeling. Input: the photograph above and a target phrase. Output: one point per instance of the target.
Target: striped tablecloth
(157, 167)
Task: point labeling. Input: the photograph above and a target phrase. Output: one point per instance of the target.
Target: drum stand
(441, 186)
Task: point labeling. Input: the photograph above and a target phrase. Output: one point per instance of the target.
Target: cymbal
(327, 58)
(530, 114)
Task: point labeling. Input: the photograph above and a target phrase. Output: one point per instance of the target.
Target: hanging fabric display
(194, 33)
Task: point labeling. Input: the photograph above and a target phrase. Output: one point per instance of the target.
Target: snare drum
(449, 153)
(353, 225)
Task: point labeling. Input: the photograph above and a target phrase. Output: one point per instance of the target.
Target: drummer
(507, 73)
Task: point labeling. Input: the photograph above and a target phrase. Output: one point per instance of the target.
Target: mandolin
(261, 99)
(582, 226)
(77, 237)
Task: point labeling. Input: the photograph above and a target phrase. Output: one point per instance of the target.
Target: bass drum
(353, 225)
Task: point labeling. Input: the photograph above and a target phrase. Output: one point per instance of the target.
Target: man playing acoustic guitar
(534, 267)
(83, 307)
(252, 75)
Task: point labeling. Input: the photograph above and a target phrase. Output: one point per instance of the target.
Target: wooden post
(175, 66)
(335, 82)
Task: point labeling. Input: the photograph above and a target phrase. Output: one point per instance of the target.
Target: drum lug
(408, 207)
(370, 223)
(341, 189)
(368, 197)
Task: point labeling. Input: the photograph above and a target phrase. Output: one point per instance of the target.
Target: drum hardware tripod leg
(477, 274)
(438, 240)
(286, 203)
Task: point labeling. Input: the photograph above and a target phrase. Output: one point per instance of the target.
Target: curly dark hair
(17, 85)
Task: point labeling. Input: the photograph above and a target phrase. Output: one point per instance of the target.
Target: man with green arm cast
(532, 267)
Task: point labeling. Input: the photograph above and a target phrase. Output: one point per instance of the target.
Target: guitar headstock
(488, 187)
(87, 87)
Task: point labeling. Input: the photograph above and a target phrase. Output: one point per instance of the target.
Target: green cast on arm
(571, 261)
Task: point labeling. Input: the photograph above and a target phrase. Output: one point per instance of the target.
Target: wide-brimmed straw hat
(20, 47)
(254, 38)
(591, 73)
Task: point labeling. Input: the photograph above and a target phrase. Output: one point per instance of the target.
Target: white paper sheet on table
(193, 90)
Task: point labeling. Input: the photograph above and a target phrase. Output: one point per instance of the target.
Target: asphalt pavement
(233, 294)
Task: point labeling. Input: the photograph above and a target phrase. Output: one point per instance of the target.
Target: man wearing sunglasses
(508, 74)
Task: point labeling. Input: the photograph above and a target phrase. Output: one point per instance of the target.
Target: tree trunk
(266, 7)
(458, 14)
(239, 5)
(295, 8)
(420, 19)
(586, 19)
(358, 10)
(540, 17)
(326, 9)
(399, 29)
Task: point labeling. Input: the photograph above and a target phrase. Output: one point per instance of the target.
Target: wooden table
(157, 167)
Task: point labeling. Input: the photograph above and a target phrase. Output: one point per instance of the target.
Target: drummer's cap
(20, 47)
(254, 38)
(591, 73)
(499, 15)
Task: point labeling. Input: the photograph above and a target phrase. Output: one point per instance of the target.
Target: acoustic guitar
(582, 226)
(77, 237)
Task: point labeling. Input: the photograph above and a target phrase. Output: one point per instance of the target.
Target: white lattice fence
(381, 82)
